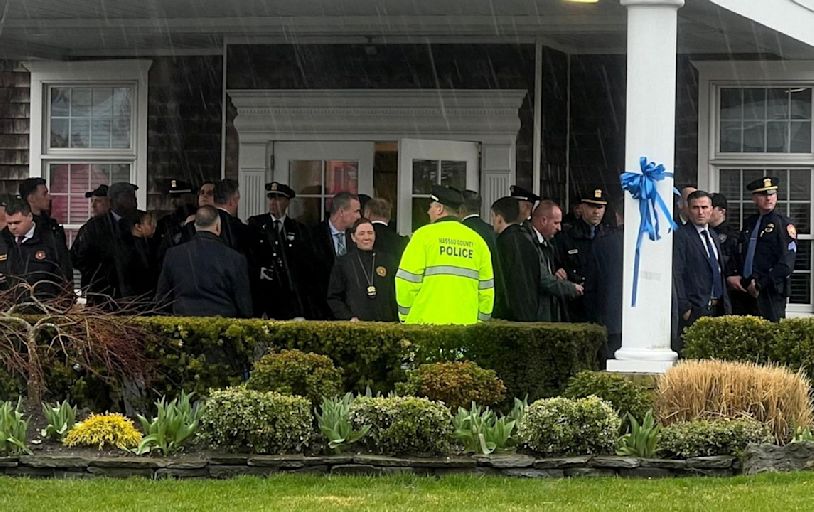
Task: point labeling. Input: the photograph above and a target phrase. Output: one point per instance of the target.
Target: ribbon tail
(636, 267)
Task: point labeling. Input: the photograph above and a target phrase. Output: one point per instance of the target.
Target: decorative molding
(291, 114)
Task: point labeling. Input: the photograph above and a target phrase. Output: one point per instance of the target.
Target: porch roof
(59, 29)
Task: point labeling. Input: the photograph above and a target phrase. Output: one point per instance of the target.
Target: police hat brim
(597, 202)
(767, 191)
(279, 193)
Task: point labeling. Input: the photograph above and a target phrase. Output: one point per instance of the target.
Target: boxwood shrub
(403, 425)
(732, 338)
(625, 395)
(565, 426)
(294, 372)
(456, 383)
(196, 354)
(239, 420)
(703, 438)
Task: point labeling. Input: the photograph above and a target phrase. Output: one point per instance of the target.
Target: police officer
(282, 270)
(767, 249)
(37, 264)
(34, 192)
(574, 246)
(726, 232)
(445, 275)
(99, 202)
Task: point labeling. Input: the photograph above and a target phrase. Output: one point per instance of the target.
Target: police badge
(39, 255)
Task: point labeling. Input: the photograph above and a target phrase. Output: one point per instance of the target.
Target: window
(88, 127)
(756, 120)
(316, 182)
(427, 173)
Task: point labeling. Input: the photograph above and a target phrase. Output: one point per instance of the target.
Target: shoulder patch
(3, 257)
(792, 231)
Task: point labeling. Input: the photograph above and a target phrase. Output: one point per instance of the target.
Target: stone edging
(228, 466)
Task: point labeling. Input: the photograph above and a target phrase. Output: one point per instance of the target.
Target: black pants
(695, 314)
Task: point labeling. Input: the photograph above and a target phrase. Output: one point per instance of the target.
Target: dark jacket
(99, 252)
(574, 254)
(603, 291)
(284, 283)
(775, 252)
(693, 274)
(325, 255)
(351, 276)
(529, 292)
(389, 241)
(234, 233)
(487, 232)
(141, 269)
(204, 277)
(42, 261)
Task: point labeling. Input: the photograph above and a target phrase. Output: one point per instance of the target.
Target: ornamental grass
(771, 394)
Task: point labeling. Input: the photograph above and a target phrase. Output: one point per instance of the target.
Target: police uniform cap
(595, 196)
(279, 189)
(447, 196)
(100, 191)
(179, 187)
(523, 194)
(766, 185)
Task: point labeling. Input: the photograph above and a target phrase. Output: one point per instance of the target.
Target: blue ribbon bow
(642, 186)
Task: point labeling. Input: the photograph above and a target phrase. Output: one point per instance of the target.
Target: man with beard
(282, 270)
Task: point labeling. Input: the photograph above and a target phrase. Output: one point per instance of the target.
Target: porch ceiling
(61, 29)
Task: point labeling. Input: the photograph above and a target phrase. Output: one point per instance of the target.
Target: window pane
(100, 133)
(121, 102)
(341, 176)
(453, 174)
(803, 259)
(801, 216)
(730, 136)
(60, 101)
(425, 174)
(80, 102)
(754, 103)
(777, 137)
(102, 102)
(58, 178)
(306, 210)
(420, 207)
(799, 185)
(754, 137)
(119, 172)
(777, 105)
(800, 137)
(305, 176)
(120, 133)
(69, 182)
(800, 289)
(80, 133)
(730, 183)
(731, 107)
(59, 133)
(733, 214)
(801, 103)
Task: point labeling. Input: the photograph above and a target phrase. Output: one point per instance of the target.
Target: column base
(642, 361)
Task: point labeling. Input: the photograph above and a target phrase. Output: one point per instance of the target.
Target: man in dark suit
(282, 270)
(470, 217)
(698, 264)
(204, 277)
(33, 261)
(331, 238)
(34, 192)
(378, 212)
(226, 196)
(100, 251)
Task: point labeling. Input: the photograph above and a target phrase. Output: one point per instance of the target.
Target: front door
(317, 170)
(423, 163)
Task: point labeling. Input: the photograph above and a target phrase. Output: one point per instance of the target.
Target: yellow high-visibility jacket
(445, 276)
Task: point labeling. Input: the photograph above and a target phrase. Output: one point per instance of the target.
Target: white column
(650, 132)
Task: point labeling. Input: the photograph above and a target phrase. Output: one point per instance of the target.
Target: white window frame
(714, 75)
(131, 72)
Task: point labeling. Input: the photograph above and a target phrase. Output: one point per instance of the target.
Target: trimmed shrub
(565, 426)
(625, 395)
(239, 419)
(457, 384)
(403, 425)
(198, 354)
(704, 438)
(732, 338)
(294, 372)
(101, 430)
(771, 395)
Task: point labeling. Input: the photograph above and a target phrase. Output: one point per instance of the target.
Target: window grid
(89, 117)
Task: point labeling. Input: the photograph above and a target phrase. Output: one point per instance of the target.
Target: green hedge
(196, 354)
(789, 342)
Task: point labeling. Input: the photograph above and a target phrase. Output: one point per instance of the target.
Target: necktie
(750, 250)
(593, 232)
(277, 225)
(340, 244)
(20, 240)
(717, 288)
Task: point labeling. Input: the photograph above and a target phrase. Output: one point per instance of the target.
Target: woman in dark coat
(362, 284)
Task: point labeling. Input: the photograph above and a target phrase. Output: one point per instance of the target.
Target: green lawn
(778, 492)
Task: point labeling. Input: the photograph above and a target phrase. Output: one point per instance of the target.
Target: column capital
(652, 3)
